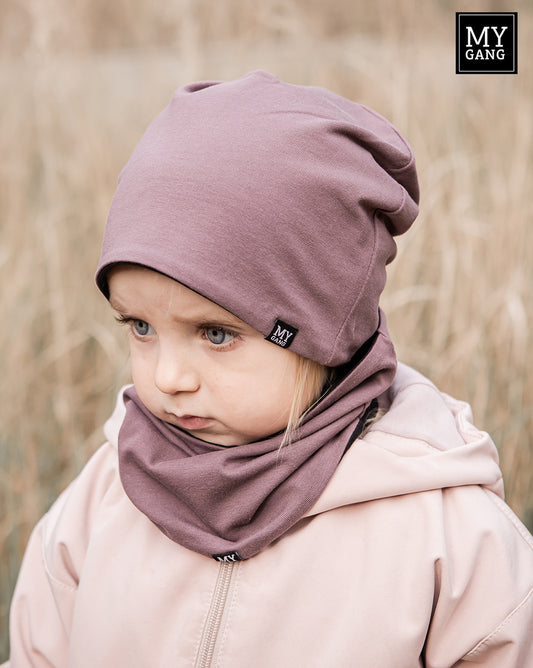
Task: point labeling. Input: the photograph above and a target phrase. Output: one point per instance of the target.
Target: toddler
(275, 491)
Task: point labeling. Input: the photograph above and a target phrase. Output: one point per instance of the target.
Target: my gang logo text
(486, 43)
(229, 558)
(282, 334)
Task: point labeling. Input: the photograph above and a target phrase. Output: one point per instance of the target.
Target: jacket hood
(426, 441)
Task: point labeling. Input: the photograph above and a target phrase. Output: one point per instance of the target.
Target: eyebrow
(117, 306)
(219, 322)
(201, 320)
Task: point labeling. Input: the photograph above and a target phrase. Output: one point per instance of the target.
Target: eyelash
(220, 346)
(126, 320)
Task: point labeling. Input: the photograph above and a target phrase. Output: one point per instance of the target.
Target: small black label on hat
(282, 334)
(228, 558)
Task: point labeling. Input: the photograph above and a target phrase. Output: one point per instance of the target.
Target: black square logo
(486, 42)
(282, 334)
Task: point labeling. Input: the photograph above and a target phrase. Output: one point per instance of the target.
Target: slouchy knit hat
(276, 201)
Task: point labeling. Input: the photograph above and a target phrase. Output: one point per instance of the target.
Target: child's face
(197, 366)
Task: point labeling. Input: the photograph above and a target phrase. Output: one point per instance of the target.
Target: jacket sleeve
(41, 611)
(511, 644)
(45, 594)
(483, 614)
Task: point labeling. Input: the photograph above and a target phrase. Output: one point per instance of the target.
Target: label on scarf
(228, 558)
(282, 334)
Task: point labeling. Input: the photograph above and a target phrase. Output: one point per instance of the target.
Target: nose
(175, 371)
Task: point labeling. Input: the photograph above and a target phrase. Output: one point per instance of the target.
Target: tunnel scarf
(232, 502)
(279, 203)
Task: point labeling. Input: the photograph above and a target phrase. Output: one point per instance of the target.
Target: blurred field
(79, 82)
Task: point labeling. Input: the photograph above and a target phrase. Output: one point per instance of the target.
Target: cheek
(229, 388)
(141, 367)
(264, 386)
(278, 372)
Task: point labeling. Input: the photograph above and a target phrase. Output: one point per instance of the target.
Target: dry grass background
(80, 80)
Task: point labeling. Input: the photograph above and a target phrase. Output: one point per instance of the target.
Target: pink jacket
(409, 558)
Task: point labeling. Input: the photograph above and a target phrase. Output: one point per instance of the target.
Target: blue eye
(219, 336)
(142, 328)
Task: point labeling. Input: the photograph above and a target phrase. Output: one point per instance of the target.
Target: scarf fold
(232, 502)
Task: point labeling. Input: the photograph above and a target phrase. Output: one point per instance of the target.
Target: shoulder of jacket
(67, 526)
(484, 578)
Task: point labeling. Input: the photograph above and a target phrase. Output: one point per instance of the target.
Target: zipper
(214, 617)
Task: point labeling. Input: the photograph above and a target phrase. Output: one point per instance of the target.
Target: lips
(192, 422)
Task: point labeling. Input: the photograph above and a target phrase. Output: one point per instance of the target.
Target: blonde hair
(312, 381)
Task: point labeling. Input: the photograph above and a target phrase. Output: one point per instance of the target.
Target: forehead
(133, 288)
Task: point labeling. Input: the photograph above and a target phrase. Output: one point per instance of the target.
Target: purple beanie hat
(276, 201)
